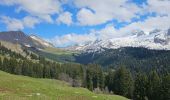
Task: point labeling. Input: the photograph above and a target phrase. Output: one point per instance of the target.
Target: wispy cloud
(94, 12)
(65, 18)
(19, 24)
(39, 8)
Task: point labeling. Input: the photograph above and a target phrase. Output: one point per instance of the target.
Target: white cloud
(161, 7)
(65, 18)
(17, 24)
(111, 32)
(12, 23)
(72, 39)
(39, 8)
(87, 17)
(148, 25)
(94, 12)
(30, 22)
(108, 32)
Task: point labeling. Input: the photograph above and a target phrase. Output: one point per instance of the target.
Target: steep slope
(12, 46)
(41, 41)
(14, 87)
(23, 39)
(16, 37)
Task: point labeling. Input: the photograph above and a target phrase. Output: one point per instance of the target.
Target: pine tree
(109, 82)
(89, 80)
(140, 87)
(25, 66)
(154, 86)
(5, 65)
(101, 80)
(46, 72)
(0, 63)
(12, 65)
(18, 69)
(165, 88)
(123, 82)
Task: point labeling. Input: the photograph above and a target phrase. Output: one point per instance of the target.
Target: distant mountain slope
(15, 87)
(156, 39)
(40, 41)
(23, 39)
(134, 58)
(16, 37)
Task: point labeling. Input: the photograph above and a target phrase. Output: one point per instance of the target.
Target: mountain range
(156, 39)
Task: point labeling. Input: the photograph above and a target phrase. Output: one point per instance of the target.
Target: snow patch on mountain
(41, 41)
(156, 39)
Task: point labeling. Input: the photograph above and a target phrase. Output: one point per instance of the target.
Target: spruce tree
(140, 87)
(109, 80)
(165, 88)
(0, 63)
(89, 81)
(5, 65)
(123, 82)
(18, 68)
(154, 86)
(46, 72)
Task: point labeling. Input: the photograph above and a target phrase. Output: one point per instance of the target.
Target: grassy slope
(12, 46)
(15, 87)
(58, 51)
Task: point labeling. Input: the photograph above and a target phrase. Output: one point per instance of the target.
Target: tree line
(141, 86)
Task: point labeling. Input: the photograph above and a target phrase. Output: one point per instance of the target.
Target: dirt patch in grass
(4, 90)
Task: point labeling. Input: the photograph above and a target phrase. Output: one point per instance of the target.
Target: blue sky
(65, 22)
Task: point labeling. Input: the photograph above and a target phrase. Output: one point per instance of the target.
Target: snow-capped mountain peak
(156, 39)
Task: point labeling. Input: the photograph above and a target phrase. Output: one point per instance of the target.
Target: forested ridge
(134, 58)
(144, 84)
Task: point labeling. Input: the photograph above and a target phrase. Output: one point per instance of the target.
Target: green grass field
(15, 87)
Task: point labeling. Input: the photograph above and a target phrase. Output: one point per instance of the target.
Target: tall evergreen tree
(165, 88)
(101, 80)
(89, 80)
(153, 86)
(140, 87)
(123, 82)
(46, 72)
(109, 83)
(25, 66)
(5, 64)
(0, 63)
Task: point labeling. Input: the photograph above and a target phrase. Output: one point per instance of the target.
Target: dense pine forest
(146, 84)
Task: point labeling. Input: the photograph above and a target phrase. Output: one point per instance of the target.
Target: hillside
(21, 38)
(142, 59)
(17, 87)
